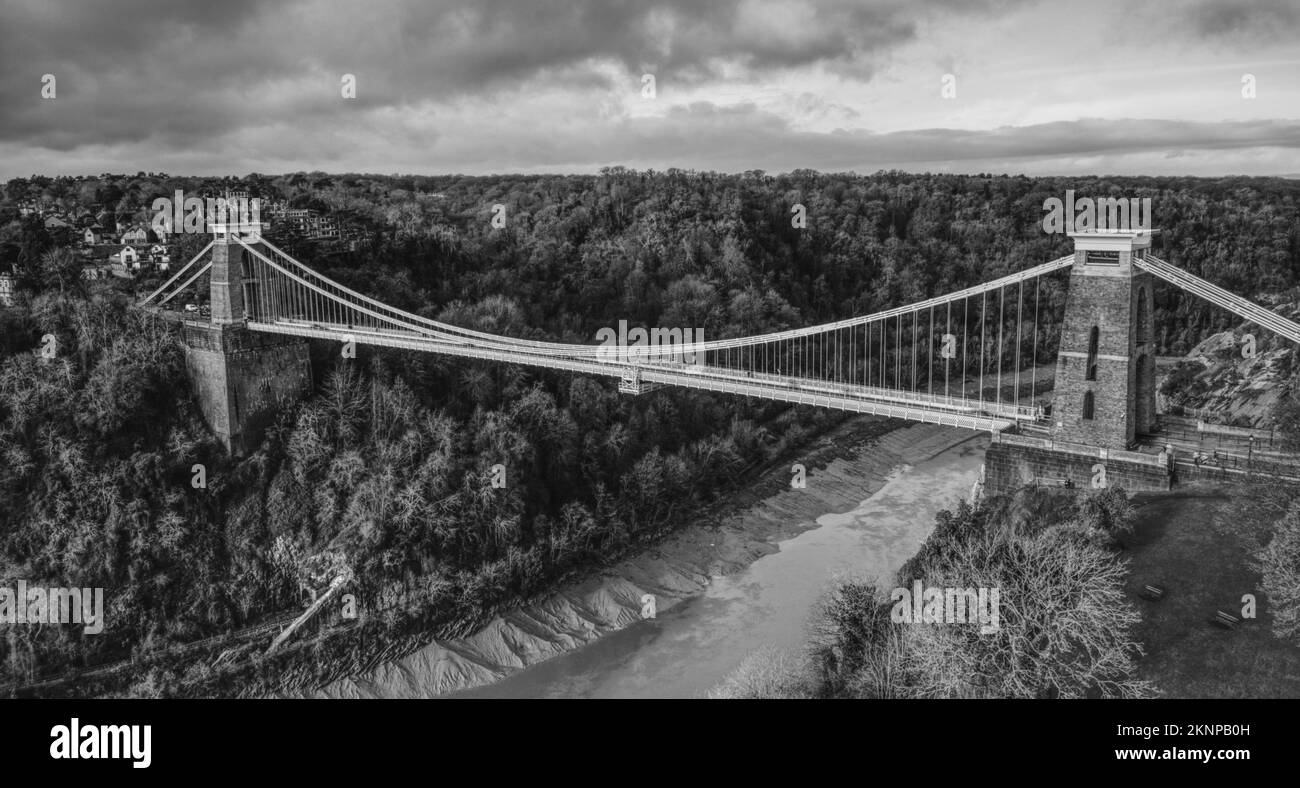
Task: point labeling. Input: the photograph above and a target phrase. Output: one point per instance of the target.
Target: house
(160, 256)
(96, 272)
(308, 222)
(127, 254)
(135, 235)
(125, 262)
(7, 286)
(92, 235)
(54, 223)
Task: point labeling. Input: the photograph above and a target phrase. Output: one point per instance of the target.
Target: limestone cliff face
(1230, 381)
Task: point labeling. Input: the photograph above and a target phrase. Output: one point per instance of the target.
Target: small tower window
(1143, 316)
(1087, 406)
(1093, 338)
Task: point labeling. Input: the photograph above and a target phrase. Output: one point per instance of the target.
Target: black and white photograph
(357, 353)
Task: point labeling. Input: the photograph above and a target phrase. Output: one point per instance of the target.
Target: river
(686, 650)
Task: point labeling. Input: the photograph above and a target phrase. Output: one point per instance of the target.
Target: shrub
(1279, 562)
(766, 673)
(1064, 622)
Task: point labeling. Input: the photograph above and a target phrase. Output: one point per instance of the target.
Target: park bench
(1153, 593)
(1225, 620)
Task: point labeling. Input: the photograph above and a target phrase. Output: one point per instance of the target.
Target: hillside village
(126, 247)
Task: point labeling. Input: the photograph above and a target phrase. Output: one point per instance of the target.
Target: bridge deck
(949, 411)
(283, 296)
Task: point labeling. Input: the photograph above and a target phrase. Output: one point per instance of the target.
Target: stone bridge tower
(241, 378)
(1105, 392)
(1105, 373)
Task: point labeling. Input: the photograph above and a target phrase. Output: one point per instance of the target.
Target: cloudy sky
(483, 86)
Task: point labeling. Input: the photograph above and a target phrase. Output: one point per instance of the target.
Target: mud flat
(753, 571)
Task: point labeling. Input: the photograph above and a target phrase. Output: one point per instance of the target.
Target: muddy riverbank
(704, 565)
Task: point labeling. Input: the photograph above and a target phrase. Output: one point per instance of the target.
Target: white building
(128, 254)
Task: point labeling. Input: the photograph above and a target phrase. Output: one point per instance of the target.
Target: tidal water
(686, 650)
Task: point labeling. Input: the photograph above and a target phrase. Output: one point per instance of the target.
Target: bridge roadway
(947, 411)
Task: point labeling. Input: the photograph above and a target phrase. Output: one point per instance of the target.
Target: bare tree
(766, 673)
(1279, 563)
(1064, 623)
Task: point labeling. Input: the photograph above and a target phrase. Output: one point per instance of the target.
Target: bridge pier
(1012, 462)
(242, 378)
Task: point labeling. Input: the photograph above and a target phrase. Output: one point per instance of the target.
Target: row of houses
(127, 263)
(156, 255)
(307, 222)
(96, 234)
(139, 234)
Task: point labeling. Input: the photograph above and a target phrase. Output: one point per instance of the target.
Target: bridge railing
(816, 385)
(722, 383)
(1239, 464)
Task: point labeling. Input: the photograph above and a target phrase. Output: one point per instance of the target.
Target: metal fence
(1217, 435)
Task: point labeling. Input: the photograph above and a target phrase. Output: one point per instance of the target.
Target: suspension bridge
(967, 359)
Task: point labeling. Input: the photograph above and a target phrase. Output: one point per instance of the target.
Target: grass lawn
(1185, 540)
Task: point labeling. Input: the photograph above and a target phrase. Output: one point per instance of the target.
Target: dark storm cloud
(740, 138)
(1270, 20)
(125, 70)
(182, 73)
(496, 85)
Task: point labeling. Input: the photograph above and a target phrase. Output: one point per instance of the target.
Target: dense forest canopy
(385, 473)
(719, 251)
